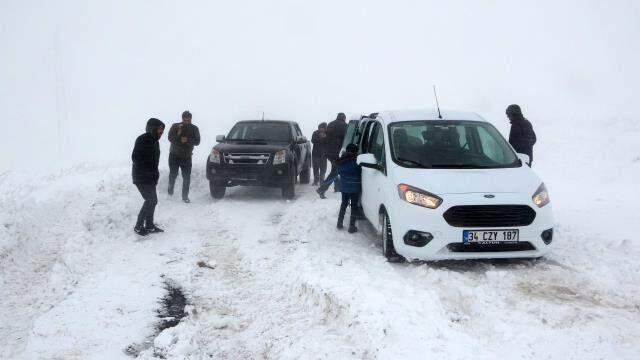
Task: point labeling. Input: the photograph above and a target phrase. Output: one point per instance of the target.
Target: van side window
(376, 145)
(366, 135)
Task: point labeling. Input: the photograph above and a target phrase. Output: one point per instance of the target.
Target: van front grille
(489, 215)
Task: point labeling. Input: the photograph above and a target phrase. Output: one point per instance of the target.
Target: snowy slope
(281, 282)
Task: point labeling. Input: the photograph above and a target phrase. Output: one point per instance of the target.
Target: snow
(267, 278)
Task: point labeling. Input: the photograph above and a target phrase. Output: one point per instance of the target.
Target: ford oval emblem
(489, 196)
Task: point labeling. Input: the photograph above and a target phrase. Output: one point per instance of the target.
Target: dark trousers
(349, 199)
(148, 192)
(333, 174)
(184, 164)
(319, 168)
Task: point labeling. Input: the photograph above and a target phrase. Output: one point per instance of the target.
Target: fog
(78, 80)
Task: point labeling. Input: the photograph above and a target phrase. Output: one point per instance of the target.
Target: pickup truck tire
(305, 174)
(289, 189)
(217, 189)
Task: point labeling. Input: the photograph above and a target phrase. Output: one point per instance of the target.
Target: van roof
(428, 114)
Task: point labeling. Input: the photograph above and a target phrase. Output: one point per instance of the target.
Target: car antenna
(437, 104)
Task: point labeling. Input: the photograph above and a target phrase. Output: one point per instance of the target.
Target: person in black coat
(319, 153)
(521, 137)
(336, 131)
(145, 174)
(183, 137)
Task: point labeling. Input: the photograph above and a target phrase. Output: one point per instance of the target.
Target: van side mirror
(524, 158)
(220, 138)
(368, 161)
(301, 140)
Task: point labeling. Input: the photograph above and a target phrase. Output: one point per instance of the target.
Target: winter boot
(186, 200)
(153, 229)
(340, 226)
(320, 193)
(138, 229)
(352, 229)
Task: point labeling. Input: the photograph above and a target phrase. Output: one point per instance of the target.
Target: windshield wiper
(459, 166)
(413, 162)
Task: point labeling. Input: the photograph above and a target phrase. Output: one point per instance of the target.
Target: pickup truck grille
(246, 158)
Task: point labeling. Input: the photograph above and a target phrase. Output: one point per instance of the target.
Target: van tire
(388, 250)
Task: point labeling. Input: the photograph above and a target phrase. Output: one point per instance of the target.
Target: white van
(449, 187)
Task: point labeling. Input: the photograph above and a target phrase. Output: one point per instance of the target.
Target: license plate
(490, 236)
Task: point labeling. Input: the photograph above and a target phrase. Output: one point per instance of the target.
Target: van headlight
(280, 157)
(541, 196)
(418, 197)
(215, 156)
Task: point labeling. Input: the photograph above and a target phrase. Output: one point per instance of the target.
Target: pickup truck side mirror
(301, 140)
(220, 138)
(368, 161)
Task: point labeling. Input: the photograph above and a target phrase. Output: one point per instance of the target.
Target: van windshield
(260, 131)
(450, 145)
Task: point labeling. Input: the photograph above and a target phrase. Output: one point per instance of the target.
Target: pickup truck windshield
(260, 131)
(450, 145)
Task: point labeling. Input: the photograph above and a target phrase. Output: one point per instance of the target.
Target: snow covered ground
(266, 278)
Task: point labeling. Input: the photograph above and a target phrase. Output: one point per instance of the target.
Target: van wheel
(217, 189)
(289, 189)
(388, 250)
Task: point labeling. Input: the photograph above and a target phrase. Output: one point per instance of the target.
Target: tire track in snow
(252, 304)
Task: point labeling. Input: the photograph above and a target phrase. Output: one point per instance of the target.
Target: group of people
(327, 142)
(183, 136)
(345, 172)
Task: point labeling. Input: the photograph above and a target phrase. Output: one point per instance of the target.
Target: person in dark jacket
(521, 137)
(335, 136)
(145, 174)
(350, 185)
(319, 153)
(183, 137)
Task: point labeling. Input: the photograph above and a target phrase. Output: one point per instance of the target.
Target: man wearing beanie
(183, 137)
(145, 174)
(521, 137)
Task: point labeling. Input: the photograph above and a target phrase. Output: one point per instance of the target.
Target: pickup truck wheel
(388, 250)
(305, 175)
(217, 189)
(289, 189)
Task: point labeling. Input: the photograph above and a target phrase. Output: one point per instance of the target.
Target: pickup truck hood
(465, 181)
(232, 147)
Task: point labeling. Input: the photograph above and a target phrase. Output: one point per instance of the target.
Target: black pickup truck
(260, 152)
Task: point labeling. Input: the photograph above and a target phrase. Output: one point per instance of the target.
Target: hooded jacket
(191, 132)
(146, 155)
(336, 131)
(521, 136)
(350, 173)
(319, 144)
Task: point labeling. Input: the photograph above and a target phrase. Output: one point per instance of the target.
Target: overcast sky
(79, 79)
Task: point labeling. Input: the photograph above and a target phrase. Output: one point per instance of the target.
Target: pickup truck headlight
(418, 197)
(541, 196)
(215, 156)
(280, 157)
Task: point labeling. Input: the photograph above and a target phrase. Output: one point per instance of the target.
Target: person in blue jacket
(350, 185)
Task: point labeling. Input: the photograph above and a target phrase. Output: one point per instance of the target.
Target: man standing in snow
(145, 174)
(183, 137)
(319, 153)
(521, 137)
(335, 135)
